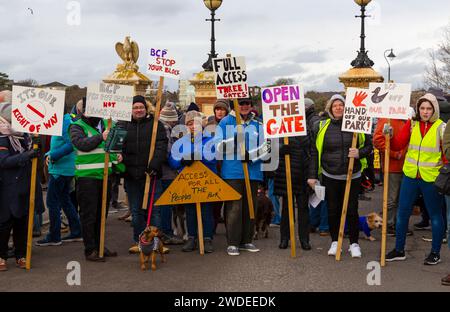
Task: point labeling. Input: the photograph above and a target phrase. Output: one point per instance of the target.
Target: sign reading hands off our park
(230, 77)
(107, 100)
(37, 110)
(283, 111)
(389, 100)
(197, 184)
(356, 118)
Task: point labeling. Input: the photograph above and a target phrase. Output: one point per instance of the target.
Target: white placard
(107, 100)
(230, 77)
(355, 117)
(389, 100)
(37, 110)
(162, 63)
(283, 111)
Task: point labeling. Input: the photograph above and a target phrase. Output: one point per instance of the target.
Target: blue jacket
(186, 145)
(255, 145)
(62, 154)
(15, 178)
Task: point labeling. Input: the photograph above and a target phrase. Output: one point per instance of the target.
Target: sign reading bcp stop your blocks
(161, 63)
(283, 111)
(37, 110)
(231, 77)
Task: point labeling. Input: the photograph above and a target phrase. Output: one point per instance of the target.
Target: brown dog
(374, 221)
(149, 244)
(264, 214)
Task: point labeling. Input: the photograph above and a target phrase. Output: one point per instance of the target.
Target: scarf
(13, 136)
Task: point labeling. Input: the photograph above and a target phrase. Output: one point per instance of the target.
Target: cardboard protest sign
(283, 111)
(197, 184)
(107, 100)
(161, 63)
(355, 112)
(389, 100)
(37, 110)
(231, 78)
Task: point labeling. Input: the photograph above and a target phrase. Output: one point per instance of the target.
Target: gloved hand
(151, 172)
(189, 160)
(387, 129)
(285, 150)
(246, 158)
(33, 153)
(36, 140)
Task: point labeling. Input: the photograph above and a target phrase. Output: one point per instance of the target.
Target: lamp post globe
(212, 4)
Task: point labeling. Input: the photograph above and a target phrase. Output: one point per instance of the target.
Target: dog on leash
(367, 224)
(149, 244)
(264, 214)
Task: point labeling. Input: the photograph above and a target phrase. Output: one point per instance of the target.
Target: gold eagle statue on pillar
(128, 51)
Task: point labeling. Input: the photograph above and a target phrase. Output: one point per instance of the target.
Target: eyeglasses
(138, 108)
(244, 103)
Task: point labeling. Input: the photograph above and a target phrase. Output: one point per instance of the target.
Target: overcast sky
(313, 41)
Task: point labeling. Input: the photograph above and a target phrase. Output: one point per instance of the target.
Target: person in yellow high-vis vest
(424, 158)
(330, 154)
(88, 136)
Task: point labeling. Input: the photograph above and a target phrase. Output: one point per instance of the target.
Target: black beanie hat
(192, 107)
(139, 99)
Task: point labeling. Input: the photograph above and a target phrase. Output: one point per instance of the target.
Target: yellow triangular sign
(197, 184)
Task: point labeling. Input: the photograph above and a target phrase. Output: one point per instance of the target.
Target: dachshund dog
(149, 244)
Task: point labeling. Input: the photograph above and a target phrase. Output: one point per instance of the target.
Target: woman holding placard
(423, 160)
(330, 157)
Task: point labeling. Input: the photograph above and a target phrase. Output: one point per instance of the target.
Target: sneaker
(432, 259)
(47, 242)
(93, 256)
(355, 250)
(272, 225)
(446, 280)
(190, 245)
(422, 225)
(233, 251)
(248, 247)
(333, 249)
(3, 266)
(172, 240)
(324, 233)
(390, 231)
(364, 197)
(71, 238)
(134, 249)
(207, 242)
(395, 255)
(21, 263)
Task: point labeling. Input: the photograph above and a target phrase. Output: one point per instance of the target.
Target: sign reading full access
(231, 77)
(37, 110)
(283, 111)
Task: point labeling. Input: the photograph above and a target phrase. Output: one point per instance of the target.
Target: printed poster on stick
(37, 110)
(283, 111)
(107, 100)
(389, 100)
(230, 77)
(355, 112)
(161, 63)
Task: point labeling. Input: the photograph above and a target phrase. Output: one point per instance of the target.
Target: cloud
(268, 74)
(309, 56)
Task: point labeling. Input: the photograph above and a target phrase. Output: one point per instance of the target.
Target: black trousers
(20, 231)
(89, 197)
(302, 217)
(334, 194)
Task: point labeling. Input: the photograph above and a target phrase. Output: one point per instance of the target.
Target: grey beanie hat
(308, 103)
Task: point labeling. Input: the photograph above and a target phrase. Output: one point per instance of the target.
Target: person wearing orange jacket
(396, 160)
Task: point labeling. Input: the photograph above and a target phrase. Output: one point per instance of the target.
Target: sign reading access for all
(160, 63)
(283, 111)
(197, 184)
(389, 100)
(355, 117)
(107, 100)
(231, 77)
(37, 110)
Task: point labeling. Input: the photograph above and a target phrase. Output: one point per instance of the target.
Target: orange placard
(197, 184)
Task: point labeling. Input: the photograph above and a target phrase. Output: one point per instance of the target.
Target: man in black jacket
(135, 157)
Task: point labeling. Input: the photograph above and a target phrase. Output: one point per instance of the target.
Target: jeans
(395, 182)
(447, 200)
(409, 192)
(166, 211)
(207, 220)
(319, 216)
(37, 222)
(276, 203)
(20, 231)
(58, 197)
(135, 191)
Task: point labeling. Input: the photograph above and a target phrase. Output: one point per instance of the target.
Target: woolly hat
(169, 113)
(222, 104)
(193, 107)
(308, 103)
(336, 97)
(5, 110)
(191, 115)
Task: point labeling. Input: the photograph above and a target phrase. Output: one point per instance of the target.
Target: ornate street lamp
(362, 60)
(212, 5)
(391, 56)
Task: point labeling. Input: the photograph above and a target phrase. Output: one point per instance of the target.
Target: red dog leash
(150, 206)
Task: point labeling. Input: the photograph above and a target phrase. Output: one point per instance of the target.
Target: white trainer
(333, 249)
(355, 250)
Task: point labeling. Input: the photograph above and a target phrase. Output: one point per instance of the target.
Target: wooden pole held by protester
(346, 197)
(153, 139)
(387, 151)
(287, 160)
(200, 228)
(31, 209)
(104, 199)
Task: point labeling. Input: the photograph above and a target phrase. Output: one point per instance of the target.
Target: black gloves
(34, 153)
(36, 140)
(151, 169)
